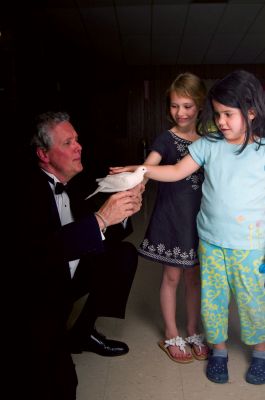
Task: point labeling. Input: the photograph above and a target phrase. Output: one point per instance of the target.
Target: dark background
(108, 63)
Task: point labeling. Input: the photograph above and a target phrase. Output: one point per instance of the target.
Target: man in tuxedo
(70, 252)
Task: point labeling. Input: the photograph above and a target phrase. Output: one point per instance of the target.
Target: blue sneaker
(216, 370)
(256, 371)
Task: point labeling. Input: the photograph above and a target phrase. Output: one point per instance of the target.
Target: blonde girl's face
(183, 111)
(230, 122)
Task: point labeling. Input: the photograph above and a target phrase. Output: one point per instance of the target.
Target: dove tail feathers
(92, 194)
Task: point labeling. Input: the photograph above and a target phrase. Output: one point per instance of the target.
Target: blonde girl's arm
(172, 173)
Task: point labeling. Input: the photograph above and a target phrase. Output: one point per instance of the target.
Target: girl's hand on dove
(117, 170)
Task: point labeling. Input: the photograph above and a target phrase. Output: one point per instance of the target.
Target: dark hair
(186, 85)
(239, 89)
(44, 124)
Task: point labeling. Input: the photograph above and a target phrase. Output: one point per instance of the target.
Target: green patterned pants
(224, 271)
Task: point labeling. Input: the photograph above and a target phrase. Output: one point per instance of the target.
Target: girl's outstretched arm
(128, 168)
(164, 173)
(154, 158)
(172, 173)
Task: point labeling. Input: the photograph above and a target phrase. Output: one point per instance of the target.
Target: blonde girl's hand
(118, 170)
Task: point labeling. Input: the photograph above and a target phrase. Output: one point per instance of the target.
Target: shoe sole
(249, 380)
(178, 360)
(216, 380)
(103, 354)
(199, 357)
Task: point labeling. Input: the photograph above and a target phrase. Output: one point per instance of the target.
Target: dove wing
(114, 183)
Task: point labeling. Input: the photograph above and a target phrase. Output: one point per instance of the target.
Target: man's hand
(138, 190)
(122, 205)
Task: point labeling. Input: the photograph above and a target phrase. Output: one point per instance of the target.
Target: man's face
(64, 156)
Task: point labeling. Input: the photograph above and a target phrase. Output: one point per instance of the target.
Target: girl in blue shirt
(231, 220)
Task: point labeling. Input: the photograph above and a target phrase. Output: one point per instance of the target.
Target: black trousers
(45, 369)
(107, 279)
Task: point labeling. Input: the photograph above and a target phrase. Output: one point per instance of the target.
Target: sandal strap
(176, 341)
(196, 339)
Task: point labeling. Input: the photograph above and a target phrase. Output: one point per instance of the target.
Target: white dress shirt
(65, 214)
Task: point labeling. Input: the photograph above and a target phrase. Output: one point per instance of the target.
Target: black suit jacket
(48, 247)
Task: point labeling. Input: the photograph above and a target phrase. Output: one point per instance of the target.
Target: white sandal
(180, 343)
(197, 340)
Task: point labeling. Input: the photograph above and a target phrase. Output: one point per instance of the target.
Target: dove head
(141, 170)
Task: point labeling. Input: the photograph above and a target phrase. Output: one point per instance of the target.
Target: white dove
(119, 182)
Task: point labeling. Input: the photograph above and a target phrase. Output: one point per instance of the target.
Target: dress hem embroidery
(159, 258)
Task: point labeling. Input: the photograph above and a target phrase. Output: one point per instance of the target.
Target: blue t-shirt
(232, 213)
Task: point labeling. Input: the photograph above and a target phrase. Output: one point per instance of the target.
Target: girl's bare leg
(169, 285)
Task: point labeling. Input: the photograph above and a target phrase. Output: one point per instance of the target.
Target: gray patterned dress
(171, 237)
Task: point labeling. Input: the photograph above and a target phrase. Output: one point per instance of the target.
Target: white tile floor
(146, 372)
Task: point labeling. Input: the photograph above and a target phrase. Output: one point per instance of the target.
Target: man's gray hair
(44, 125)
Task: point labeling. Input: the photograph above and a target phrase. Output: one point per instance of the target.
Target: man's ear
(42, 154)
(251, 114)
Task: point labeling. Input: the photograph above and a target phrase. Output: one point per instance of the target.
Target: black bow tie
(59, 187)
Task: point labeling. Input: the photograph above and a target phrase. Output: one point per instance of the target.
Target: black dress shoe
(99, 344)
